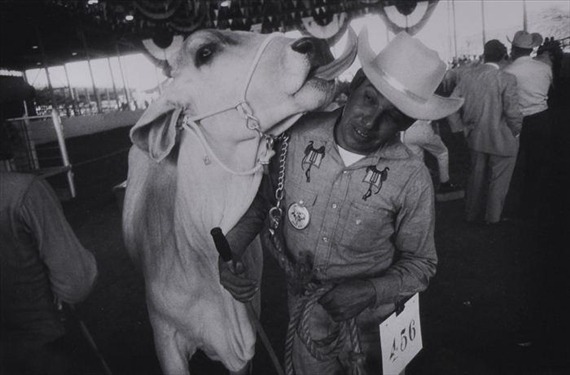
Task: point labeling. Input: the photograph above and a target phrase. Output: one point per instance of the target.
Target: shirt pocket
(367, 228)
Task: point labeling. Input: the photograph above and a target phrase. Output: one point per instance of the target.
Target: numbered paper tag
(401, 337)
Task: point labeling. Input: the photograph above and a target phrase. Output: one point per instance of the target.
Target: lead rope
(330, 346)
(245, 110)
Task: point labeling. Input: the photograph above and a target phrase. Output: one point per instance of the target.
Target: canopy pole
(114, 86)
(454, 27)
(73, 101)
(483, 22)
(125, 85)
(95, 92)
(44, 65)
(525, 16)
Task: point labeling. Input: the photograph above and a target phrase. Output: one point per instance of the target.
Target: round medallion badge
(298, 216)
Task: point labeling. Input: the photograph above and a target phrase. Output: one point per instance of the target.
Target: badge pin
(298, 216)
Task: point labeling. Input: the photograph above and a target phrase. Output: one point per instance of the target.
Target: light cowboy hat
(407, 73)
(523, 39)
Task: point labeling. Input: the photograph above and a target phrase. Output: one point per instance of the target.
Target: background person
(358, 206)
(421, 137)
(491, 120)
(41, 262)
(534, 78)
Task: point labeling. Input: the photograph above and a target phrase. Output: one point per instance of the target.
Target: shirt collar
(393, 149)
(495, 65)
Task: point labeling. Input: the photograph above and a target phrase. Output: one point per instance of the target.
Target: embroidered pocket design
(313, 157)
(374, 178)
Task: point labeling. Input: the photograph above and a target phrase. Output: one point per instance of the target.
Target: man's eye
(369, 99)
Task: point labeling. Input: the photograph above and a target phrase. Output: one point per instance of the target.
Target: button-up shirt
(533, 80)
(373, 219)
(40, 257)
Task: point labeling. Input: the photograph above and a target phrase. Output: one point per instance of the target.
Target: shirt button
(334, 205)
(325, 239)
(344, 172)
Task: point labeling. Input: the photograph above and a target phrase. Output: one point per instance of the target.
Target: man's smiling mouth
(361, 132)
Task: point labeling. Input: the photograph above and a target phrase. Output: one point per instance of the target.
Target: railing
(35, 152)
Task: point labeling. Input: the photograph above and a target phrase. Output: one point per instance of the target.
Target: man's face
(369, 120)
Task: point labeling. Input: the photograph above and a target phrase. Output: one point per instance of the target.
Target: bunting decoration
(406, 15)
(140, 20)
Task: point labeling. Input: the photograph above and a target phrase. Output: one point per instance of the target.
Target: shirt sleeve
(72, 269)
(511, 107)
(415, 259)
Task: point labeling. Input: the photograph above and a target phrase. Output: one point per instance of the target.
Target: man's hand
(348, 299)
(234, 280)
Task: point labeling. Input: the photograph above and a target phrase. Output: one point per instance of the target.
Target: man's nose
(372, 118)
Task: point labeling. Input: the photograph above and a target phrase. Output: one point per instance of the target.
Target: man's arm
(511, 108)
(233, 275)
(416, 258)
(72, 269)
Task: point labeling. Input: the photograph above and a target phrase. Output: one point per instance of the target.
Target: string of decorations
(328, 18)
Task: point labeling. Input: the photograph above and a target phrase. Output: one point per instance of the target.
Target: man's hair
(518, 51)
(494, 51)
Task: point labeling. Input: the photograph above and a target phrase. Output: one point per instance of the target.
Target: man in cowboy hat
(534, 78)
(492, 121)
(358, 210)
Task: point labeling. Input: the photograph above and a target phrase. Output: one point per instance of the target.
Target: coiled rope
(299, 278)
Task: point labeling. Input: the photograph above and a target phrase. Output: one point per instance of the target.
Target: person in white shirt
(534, 79)
(421, 137)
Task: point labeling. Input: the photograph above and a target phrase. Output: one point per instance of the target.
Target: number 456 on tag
(401, 337)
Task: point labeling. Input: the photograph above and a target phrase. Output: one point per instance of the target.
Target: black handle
(222, 244)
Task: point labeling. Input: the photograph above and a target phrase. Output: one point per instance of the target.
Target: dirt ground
(493, 282)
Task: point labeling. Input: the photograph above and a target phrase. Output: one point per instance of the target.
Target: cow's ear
(155, 131)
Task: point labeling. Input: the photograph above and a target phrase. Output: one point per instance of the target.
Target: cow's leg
(172, 349)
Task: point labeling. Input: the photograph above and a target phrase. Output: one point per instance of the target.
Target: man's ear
(155, 132)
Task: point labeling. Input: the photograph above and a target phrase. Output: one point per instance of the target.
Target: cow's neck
(207, 194)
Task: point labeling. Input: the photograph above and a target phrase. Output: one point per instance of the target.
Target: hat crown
(408, 61)
(407, 73)
(524, 39)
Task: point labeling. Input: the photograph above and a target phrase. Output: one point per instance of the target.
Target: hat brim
(434, 108)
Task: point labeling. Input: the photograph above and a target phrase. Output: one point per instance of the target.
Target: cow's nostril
(304, 46)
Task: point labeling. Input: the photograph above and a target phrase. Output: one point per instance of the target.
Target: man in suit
(492, 122)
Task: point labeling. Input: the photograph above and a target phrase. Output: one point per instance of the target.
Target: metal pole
(483, 22)
(449, 38)
(44, 65)
(454, 27)
(73, 101)
(114, 86)
(95, 92)
(525, 16)
(63, 150)
(125, 86)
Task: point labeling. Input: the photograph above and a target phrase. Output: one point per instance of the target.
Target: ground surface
(471, 312)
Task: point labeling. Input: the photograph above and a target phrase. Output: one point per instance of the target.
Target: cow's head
(214, 71)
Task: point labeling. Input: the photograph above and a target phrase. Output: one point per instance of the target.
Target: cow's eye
(204, 54)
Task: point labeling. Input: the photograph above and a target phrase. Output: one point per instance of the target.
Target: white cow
(196, 164)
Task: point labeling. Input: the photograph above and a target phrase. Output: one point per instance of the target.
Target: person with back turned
(42, 263)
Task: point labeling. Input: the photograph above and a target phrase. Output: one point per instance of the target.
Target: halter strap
(245, 110)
